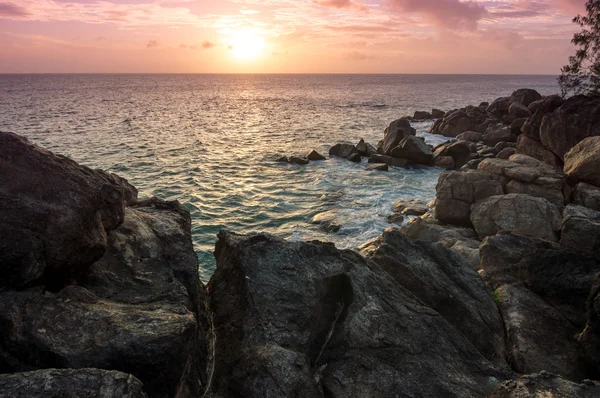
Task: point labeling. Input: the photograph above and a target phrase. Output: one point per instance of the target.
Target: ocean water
(210, 141)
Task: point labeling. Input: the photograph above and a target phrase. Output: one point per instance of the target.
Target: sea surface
(210, 141)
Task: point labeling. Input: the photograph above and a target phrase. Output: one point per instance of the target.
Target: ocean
(211, 141)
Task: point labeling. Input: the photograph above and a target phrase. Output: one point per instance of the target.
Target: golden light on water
(246, 45)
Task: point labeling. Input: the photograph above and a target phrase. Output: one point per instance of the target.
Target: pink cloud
(341, 4)
(453, 14)
(11, 10)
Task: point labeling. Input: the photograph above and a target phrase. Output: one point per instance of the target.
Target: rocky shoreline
(493, 290)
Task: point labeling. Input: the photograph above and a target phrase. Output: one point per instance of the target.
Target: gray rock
(517, 125)
(365, 149)
(518, 213)
(553, 196)
(328, 220)
(581, 230)
(544, 384)
(582, 163)
(410, 207)
(298, 160)
(587, 195)
(414, 150)
(422, 115)
(499, 107)
(80, 383)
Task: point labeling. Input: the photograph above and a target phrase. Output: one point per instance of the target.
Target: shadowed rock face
(80, 383)
(305, 319)
(55, 214)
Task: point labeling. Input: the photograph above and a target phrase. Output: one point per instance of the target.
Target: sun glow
(246, 45)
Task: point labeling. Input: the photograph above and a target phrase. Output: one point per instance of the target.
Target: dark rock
(377, 167)
(524, 96)
(314, 156)
(544, 384)
(494, 137)
(538, 110)
(437, 114)
(355, 157)
(365, 149)
(445, 282)
(445, 162)
(459, 121)
(581, 230)
(575, 120)
(499, 107)
(283, 159)
(534, 149)
(395, 133)
(471, 136)
(460, 151)
(414, 150)
(55, 214)
(517, 125)
(296, 319)
(506, 153)
(343, 150)
(456, 192)
(518, 111)
(484, 104)
(486, 152)
(582, 163)
(518, 213)
(587, 195)
(390, 161)
(297, 160)
(421, 115)
(328, 220)
(80, 383)
(410, 207)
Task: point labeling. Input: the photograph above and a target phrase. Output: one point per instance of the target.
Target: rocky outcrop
(314, 155)
(414, 150)
(494, 137)
(80, 383)
(471, 136)
(518, 110)
(394, 134)
(535, 149)
(524, 96)
(544, 384)
(301, 318)
(459, 151)
(581, 229)
(388, 160)
(459, 121)
(539, 109)
(582, 163)
(347, 151)
(587, 195)
(365, 149)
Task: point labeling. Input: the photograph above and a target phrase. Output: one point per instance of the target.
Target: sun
(246, 45)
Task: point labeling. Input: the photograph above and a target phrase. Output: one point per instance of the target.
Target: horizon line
(276, 73)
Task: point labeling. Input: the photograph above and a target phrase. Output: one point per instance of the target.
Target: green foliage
(582, 75)
(496, 296)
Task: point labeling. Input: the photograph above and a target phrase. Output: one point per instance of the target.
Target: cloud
(207, 44)
(152, 44)
(453, 14)
(358, 56)
(341, 4)
(11, 10)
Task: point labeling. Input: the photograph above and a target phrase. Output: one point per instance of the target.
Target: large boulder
(365, 149)
(581, 229)
(539, 109)
(459, 121)
(582, 163)
(138, 309)
(544, 384)
(459, 151)
(518, 213)
(471, 136)
(394, 133)
(575, 120)
(414, 150)
(518, 111)
(534, 149)
(79, 383)
(587, 195)
(296, 319)
(343, 151)
(457, 192)
(494, 137)
(499, 107)
(445, 282)
(55, 214)
(524, 96)
(539, 338)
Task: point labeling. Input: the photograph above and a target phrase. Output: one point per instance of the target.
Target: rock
(582, 163)
(80, 383)
(538, 337)
(137, 310)
(328, 221)
(484, 104)
(524, 160)
(524, 96)
(581, 230)
(518, 111)
(55, 214)
(445, 162)
(355, 157)
(390, 161)
(456, 192)
(343, 150)
(421, 115)
(396, 132)
(575, 120)
(459, 121)
(408, 207)
(518, 213)
(544, 384)
(459, 151)
(445, 282)
(414, 150)
(437, 114)
(499, 107)
(506, 153)
(314, 156)
(376, 167)
(283, 159)
(539, 109)
(534, 149)
(587, 195)
(296, 319)
(517, 125)
(488, 152)
(471, 136)
(551, 195)
(365, 149)
(298, 160)
(494, 137)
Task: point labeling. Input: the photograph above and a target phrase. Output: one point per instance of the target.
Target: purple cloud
(453, 14)
(11, 10)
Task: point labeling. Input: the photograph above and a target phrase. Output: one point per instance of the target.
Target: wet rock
(456, 192)
(282, 159)
(444, 282)
(524, 96)
(355, 157)
(471, 136)
(459, 151)
(377, 167)
(538, 337)
(539, 109)
(365, 149)
(80, 383)
(295, 319)
(390, 161)
(414, 150)
(328, 220)
(534, 149)
(494, 137)
(394, 133)
(581, 230)
(575, 120)
(298, 160)
(55, 214)
(544, 384)
(437, 114)
(582, 163)
(587, 195)
(445, 162)
(422, 115)
(343, 150)
(518, 213)
(314, 156)
(518, 110)
(410, 207)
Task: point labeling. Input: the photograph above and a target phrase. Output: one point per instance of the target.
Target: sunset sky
(286, 36)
